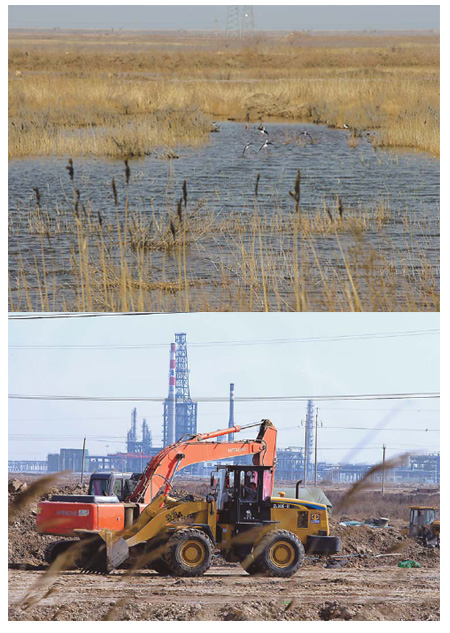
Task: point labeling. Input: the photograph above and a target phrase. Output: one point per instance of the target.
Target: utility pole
(82, 459)
(315, 451)
(305, 472)
(384, 461)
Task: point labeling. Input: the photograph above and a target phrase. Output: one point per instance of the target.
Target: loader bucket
(104, 554)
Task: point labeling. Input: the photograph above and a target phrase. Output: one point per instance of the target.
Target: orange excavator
(115, 502)
(240, 518)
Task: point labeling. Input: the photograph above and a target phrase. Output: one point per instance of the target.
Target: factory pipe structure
(171, 400)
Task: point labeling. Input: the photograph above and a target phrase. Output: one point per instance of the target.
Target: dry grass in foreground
(125, 94)
(190, 259)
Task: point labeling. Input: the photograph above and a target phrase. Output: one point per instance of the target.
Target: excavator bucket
(105, 554)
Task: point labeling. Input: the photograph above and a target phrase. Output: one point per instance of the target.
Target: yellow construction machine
(424, 525)
(240, 518)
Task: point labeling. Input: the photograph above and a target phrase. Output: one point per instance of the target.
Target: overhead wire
(288, 341)
(345, 397)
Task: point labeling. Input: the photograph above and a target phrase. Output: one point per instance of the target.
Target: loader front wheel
(161, 567)
(279, 553)
(250, 567)
(189, 553)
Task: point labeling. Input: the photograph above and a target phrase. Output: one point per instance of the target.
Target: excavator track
(57, 548)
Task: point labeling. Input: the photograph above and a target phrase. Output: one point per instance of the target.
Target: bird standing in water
(305, 133)
(265, 145)
(247, 148)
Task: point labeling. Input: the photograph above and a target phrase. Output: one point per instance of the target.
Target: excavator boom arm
(161, 469)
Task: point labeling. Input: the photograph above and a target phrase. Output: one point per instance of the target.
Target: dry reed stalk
(351, 496)
(268, 263)
(38, 488)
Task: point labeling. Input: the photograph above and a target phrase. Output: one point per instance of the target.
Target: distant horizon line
(214, 31)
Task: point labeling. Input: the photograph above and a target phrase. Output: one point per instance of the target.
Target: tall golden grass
(79, 96)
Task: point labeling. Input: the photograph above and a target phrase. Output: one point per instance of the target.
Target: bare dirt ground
(365, 587)
(228, 593)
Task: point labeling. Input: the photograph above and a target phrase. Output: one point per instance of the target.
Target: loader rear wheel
(189, 553)
(279, 553)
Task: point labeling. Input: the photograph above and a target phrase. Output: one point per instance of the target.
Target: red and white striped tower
(231, 418)
(171, 399)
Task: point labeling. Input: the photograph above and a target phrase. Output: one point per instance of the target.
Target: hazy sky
(191, 17)
(397, 364)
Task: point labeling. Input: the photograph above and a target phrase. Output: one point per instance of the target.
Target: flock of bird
(265, 135)
(265, 145)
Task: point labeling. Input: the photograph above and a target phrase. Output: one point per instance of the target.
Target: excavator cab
(118, 485)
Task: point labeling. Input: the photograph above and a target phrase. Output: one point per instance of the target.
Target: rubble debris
(375, 522)
(335, 611)
(408, 564)
(15, 485)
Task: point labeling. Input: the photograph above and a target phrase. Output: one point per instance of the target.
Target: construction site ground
(366, 587)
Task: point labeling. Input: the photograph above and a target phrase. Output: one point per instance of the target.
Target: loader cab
(243, 494)
(420, 516)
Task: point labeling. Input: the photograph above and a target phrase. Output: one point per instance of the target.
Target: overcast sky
(192, 17)
(395, 364)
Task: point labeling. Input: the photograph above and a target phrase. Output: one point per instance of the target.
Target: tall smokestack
(171, 400)
(231, 418)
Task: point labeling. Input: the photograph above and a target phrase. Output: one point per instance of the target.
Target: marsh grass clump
(336, 257)
(99, 133)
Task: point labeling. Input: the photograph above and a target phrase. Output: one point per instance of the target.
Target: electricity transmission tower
(248, 21)
(240, 25)
(233, 23)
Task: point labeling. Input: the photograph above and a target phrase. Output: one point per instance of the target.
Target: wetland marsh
(332, 215)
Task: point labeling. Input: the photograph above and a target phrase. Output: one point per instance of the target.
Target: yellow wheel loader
(240, 518)
(424, 526)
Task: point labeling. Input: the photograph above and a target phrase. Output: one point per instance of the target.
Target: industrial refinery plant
(180, 419)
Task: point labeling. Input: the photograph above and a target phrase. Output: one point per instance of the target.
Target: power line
(355, 397)
(358, 428)
(204, 415)
(109, 417)
(370, 448)
(46, 436)
(291, 341)
(409, 411)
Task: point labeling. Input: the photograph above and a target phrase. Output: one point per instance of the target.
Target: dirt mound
(26, 547)
(336, 611)
(363, 540)
(181, 493)
(15, 486)
(262, 104)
